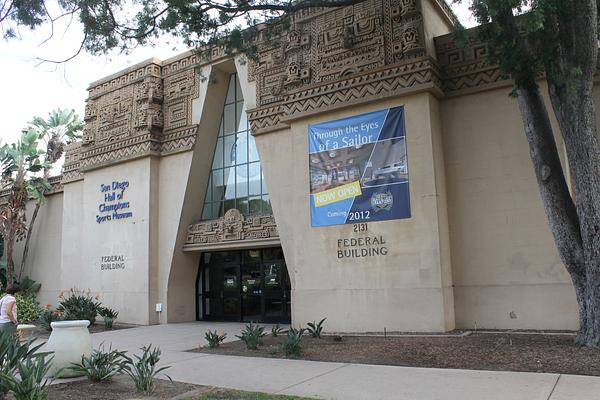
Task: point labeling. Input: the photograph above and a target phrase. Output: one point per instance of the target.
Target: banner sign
(358, 169)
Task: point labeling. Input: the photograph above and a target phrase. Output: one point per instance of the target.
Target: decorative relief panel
(233, 226)
(466, 68)
(328, 58)
(316, 62)
(136, 114)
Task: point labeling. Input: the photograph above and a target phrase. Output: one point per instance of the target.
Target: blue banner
(358, 169)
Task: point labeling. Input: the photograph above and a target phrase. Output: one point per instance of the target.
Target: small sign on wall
(114, 205)
(112, 262)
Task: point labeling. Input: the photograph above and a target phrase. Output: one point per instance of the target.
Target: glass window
(218, 158)
(252, 150)
(229, 158)
(236, 179)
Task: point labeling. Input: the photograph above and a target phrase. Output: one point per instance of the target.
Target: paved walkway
(338, 380)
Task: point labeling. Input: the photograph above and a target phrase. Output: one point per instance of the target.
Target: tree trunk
(570, 86)
(559, 207)
(10, 264)
(27, 239)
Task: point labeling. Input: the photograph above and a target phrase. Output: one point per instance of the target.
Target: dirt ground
(121, 388)
(481, 351)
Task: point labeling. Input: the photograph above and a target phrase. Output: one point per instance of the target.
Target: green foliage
(276, 330)
(47, 316)
(28, 308)
(292, 344)
(28, 381)
(101, 366)
(315, 329)
(252, 335)
(29, 286)
(109, 316)
(214, 338)
(11, 353)
(143, 370)
(79, 305)
(523, 37)
(21, 157)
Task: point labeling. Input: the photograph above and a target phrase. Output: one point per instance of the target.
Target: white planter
(69, 340)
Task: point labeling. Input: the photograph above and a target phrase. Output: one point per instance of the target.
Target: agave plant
(12, 352)
(315, 328)
(144, 370)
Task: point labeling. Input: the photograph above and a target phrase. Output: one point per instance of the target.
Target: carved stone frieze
(379, 84)
(322, 59)
(144, 111)
(327, 58)
(233, 227)
(466, 68)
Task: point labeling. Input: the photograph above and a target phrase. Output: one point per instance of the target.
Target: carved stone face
(233, 217)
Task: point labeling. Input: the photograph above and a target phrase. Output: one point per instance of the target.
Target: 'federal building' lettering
(357, 247)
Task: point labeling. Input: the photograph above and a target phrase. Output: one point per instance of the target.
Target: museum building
(362, 168)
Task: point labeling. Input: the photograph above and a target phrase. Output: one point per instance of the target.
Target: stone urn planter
(69, 340)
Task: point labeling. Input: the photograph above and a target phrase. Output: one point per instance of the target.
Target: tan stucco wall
(410, 288)
(44, 258)
(506, 270)
(85, 241)
(435, 24)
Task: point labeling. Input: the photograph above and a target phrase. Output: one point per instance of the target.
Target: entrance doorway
(247, 285)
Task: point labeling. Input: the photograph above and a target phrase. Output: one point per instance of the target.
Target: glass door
(249, 286)
(274, 297)
(230, 293)
(251, 292)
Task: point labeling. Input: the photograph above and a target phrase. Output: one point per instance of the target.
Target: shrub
(79, 305)
(214, 339)
(143, 370)
(101, 366)
(48, 315)
(109, 316)
(29, 286)
(292, 344)
(28, 308)
(11, 353)
(27, 381)
(315, 329)
(252, 335)
(276, 330)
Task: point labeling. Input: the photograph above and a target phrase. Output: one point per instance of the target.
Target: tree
(17, 162)
(61, 128)
(528, 39)
(123, 25)
(557, 39)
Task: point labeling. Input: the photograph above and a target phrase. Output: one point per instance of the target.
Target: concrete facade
(475, 253)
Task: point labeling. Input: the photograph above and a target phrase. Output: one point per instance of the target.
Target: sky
(32, 89)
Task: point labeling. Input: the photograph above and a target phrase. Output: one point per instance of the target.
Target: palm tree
(61, 128)
(17, 162)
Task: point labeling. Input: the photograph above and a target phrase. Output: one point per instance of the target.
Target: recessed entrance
(244, 285)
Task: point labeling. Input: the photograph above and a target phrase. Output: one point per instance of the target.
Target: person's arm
(9, 311)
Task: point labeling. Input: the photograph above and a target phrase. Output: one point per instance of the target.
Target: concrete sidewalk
(338, 380)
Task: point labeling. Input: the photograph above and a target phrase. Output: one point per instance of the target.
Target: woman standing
(8, 310)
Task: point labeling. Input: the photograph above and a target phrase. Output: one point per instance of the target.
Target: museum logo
(382, 201)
